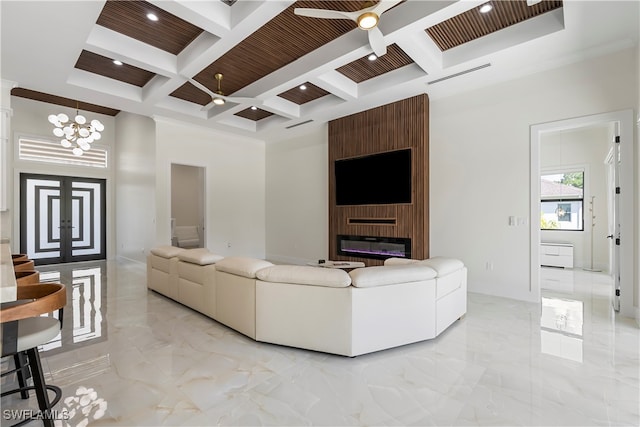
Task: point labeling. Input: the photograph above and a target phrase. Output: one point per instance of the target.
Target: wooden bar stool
(19, 257)
(27, 277)
(23, 265)
(23, 330)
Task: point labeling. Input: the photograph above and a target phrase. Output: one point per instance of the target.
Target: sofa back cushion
(242, 266)
(400, 261)
(443, 266)
(166, 251)
(200, 256)
(390, 275)
(305, 275)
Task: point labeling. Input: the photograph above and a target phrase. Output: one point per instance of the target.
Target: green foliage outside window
(547, 224)
(574, 179)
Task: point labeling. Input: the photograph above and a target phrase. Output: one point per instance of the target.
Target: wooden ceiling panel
(299, 96)
(98, 64)
(59, 100)
(279, 42)
(472, 24)
(365, 69)
(189, 92)
(254, 115)
(169, 33)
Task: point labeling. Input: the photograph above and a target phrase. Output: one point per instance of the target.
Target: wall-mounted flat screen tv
(377, 179)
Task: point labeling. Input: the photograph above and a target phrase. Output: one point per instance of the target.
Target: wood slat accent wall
(403, 124)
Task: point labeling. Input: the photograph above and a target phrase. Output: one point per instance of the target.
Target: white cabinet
(556, 254)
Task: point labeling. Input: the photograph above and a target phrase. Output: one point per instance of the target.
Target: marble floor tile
(130, 357)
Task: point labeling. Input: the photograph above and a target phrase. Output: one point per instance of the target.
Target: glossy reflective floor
(130, 357)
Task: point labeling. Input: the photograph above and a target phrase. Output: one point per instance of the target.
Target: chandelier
(77, 133)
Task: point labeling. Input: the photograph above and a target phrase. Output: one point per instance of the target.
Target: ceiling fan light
(368, 20)
(218, 101)
(372, 57)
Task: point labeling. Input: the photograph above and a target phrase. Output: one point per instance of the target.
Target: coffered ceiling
(296, 69)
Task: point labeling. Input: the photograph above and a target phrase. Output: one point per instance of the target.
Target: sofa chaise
(323, 309)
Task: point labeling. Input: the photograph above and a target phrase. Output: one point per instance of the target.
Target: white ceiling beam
(338, 84)
(211, 16)
(98, 83)
(281, 107)
(114, 45)
(423, 51)
(513, 35)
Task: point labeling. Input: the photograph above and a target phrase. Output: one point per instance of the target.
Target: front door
(62, 219)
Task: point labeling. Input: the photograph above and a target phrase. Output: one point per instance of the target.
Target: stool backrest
(39, 299)
(27, 277)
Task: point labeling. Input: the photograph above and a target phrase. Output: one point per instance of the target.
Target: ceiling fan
(366, 18)
(219, 98)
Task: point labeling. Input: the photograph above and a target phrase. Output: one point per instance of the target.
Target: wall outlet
(228, 244)
(489, 266)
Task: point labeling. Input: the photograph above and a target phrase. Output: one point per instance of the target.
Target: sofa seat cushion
(200, 256)
(390, 275)
(242, 266)
(305, 275)
(166, 251)
(443, 266)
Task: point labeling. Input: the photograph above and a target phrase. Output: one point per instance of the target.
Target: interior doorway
(188, 206)
(621, 266)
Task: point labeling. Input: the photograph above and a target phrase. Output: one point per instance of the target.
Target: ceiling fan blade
(208, 106)
(202, 87)
(325, 14)
(384, 5)
(376, 40)
(241, 100)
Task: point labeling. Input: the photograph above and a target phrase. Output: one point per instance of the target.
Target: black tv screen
(378, 179)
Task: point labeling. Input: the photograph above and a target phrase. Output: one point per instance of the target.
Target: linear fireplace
(374, 247)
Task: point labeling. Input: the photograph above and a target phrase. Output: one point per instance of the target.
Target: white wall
(588, 148)
(30, 119)
(297, 198)
(637, 172)
(135, 180)
(480, 161)
(235, 186)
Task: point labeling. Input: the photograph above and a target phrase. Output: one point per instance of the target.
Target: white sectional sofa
(323, 309)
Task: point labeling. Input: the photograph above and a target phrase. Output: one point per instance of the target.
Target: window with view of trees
(562, 201)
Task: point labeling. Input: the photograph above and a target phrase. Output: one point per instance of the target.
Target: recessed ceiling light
(303, 87)
(254, 108)
(486, 8)
(115, 61)
(152, 16)
(372, 57)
